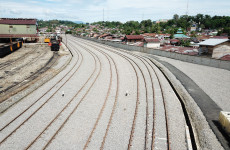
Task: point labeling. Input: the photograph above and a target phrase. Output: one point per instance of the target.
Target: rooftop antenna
(187, 8)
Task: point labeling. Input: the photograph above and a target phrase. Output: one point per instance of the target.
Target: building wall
(18, 29)
(152, 45)
(221, 50)
(210, 49)
(134, 41)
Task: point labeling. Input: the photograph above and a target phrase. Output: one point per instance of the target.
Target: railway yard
(93, 96)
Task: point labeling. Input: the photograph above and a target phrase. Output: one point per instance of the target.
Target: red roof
(17, 35)
(134, 37)
(18, 21)
(152, 40)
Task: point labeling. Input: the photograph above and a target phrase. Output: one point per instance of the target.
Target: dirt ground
(23, 66)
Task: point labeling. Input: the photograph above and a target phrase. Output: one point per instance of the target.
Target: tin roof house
(152, 43)
(133, 38)
(215, 47)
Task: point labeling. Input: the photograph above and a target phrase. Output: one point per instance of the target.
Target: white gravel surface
(213, 81)
(84, 108)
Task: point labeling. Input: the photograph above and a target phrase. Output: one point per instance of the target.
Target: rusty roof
(152, 40)
(134, 37)
(18, 21)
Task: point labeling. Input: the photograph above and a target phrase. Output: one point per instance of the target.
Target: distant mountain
(79, 22)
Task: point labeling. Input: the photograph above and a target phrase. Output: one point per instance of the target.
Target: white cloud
(15, 11)
(120, 10)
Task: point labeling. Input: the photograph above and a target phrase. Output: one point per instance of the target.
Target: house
(18, 27)
(96, 36)
(180, 35)
(43, 30)
(215, 47)
(103, 36)
(152, 43)
(174, 42)
(164, 36)
(162, 20)
(153, 35)
(133, 38)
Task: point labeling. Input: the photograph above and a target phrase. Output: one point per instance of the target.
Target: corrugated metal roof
(152, 40)
(180, 36)
(18, 21)
(134, 37)
(213, 42)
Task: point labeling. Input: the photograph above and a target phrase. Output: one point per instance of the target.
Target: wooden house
(133, 38)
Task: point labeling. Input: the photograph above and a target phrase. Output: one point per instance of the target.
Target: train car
(55, 43)
(8, 46)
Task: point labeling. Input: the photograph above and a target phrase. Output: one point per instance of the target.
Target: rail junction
(105, 98)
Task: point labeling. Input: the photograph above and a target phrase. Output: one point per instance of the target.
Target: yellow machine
(47, 40)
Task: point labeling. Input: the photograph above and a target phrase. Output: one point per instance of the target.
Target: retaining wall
(187, 58)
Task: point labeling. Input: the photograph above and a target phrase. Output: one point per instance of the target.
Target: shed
(216, 47)
(18, 27)
(152, 43)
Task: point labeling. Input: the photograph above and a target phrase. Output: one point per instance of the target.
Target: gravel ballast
(73, 115)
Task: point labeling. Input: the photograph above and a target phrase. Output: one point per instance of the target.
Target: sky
(114, 10)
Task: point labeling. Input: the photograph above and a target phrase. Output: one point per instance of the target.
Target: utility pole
(187, 8)
(66, 40)
(103, 14)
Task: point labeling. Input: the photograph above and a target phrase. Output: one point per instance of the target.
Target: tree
(68, 32)
(176, 17)
(185, 43)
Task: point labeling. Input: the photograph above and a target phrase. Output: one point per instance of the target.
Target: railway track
(144, 61)
(20, 114)
(6, 64)
(34, 60)
(136, 110)
(143, 132)
(95, 58)
(62, 125)
(36, 101)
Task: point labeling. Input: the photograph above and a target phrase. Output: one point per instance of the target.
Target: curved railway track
(144, 60)
(62, 125)
(36, 101)
(144, 76)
